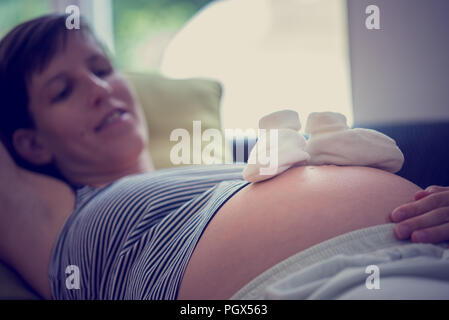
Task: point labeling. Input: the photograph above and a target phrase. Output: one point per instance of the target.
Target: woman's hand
(426, 219)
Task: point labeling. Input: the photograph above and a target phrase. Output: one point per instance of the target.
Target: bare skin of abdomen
(267, 222)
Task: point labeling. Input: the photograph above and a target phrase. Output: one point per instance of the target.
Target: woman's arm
(34, 208)
(426, 219)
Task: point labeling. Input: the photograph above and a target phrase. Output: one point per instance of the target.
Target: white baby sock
(279, 146)
(332, 142)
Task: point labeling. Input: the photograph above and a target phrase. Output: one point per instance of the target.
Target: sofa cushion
(171, 104)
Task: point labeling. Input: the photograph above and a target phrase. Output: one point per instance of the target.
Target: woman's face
(85, 113)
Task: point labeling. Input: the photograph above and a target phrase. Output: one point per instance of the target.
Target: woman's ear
(29, 146)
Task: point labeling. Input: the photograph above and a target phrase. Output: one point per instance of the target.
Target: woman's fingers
(435, 234)
(429, 190)
(428, 221)
(436, 188)
(425, 204)
(421, 194)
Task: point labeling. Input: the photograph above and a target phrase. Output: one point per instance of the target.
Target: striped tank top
(133, 238)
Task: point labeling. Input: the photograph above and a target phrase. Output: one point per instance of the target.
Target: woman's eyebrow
(63, 75)
(95, 57)
(57, 77)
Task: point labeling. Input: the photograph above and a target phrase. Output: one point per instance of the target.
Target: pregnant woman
(90, 199)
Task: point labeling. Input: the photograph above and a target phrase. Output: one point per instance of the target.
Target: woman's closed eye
(62, 95)
(103, 72)
(65, 93)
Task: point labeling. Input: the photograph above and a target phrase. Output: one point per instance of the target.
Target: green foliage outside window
(13, 12)
(142, 27)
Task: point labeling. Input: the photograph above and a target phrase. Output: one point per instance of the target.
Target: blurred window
(143, 28)
(14, 12)
(269, 55)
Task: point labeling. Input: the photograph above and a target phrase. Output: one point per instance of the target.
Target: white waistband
(355, 242)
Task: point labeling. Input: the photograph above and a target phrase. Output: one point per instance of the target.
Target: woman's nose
(99, 89)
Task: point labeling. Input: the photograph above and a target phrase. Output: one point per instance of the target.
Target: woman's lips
(112, 117)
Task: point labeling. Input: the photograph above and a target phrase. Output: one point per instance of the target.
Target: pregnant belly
(267, 222)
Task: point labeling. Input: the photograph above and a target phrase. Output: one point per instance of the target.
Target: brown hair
(26, 49)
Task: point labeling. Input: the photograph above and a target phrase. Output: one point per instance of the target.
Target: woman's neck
(99, 179)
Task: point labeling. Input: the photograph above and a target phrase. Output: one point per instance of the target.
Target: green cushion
(170, 104)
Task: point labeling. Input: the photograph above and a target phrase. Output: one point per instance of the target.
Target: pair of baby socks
(280, 145)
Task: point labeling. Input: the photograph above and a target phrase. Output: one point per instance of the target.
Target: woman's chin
(125, 150)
